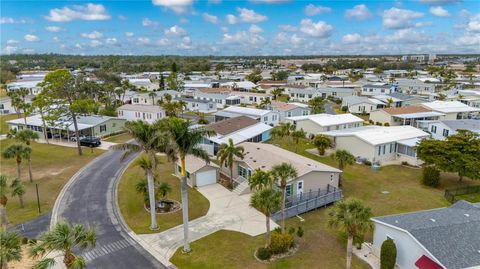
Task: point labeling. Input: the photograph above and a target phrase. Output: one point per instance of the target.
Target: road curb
(124, 226)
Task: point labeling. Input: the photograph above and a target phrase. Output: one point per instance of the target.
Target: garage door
(206, 177)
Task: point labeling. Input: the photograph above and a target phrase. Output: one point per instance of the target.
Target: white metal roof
(141, 108)
(328, 119)
(449, 106)
(418, 115)
(377, 135)
(243, 134)
(23, 84)
(246, 110)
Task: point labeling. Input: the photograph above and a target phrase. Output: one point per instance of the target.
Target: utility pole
(38, 199)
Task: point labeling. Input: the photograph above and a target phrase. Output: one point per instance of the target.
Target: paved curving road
(89, 201)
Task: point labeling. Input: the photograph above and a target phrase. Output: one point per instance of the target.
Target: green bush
(388, 254)
(24, 240)
(300, 231)
(431, 176)
(291, 230)
(378, 123)
(344, 108)
(386, 124)
(264, 253)
(281, 243)
(367, 163)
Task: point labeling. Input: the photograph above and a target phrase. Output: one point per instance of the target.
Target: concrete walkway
(105, 144)
(227, 211)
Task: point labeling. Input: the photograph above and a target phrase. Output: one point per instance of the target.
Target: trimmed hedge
(430, 176)
(264, 253)
(281, 243)
(388, 254)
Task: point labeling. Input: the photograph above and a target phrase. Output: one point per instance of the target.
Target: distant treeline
(333, 65)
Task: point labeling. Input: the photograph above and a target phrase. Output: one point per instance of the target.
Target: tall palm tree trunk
(20, 199)
(186, 244)
(68, 259)
(3, 217)
(30, 174)
(267, 235)
(4, 264)
(349, 251)
(151, 198)
(19, 169)
(231, 174)
(284, 196)
(77, 135)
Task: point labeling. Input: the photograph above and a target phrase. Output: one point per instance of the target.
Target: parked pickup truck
(90, 141)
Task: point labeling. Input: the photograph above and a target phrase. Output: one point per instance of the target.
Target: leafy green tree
(282, 173)
(18, 189)
(284, 129)
(17, 152)
(174, 67)
(174, 83)
(255, 76)
(264, 103)
(388, 254)
(227, 153)
(10, 248)
(457, 154)
(185, 141)
(161, 83)
(63, 238)
(353, 218)
(172, 108)
(430, 176)
(316, 105)
(266, 201)
(19, 102)
(277, 92)
(322, 142)
(202, 119)
(261, 180)
(43, 104)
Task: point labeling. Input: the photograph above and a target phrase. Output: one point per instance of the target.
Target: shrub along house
(315, 180)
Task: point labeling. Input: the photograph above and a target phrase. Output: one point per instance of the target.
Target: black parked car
(90, 141)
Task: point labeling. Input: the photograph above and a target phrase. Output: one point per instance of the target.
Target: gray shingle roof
(451, 234)
(471, 125)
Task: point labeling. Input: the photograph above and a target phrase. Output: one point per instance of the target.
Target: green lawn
(3, 122)
(131, 203)
(52, 167)
(119, 138)
(473, 197)
(391, 190)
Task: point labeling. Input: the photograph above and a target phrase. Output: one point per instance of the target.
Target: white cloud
(186, 44)
(53, 29)
(95, 43)
(439, 11)
(474, 24)
(184, 21)
(254, 29)
(351, 38)
(437, 2)
(148, 23)
(469, 40)
(78, 46)
(288, 28)
(320, 29)
(178, 6)
(396, 18)
(270, 1)
(92, 35)
(224, 29)
(88, 12)
(12, 42)
(250, 16)
(111, 41)
(296, 41)
(9, 50)
(231, 19)
(358, 12)
(175, 31)
(143, 41)
(28, 51)
(407, 36)
(210, 18)
(122, 17)
(244, 38)
(31, 38)
(312, 10)
(129, 34)
(5, 20)
(163, 42)
(56, 39)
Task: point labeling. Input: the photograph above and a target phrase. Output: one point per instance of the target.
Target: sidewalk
(105, 145)
(227, 211)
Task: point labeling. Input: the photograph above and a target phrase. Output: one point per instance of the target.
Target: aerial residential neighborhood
(240, 134)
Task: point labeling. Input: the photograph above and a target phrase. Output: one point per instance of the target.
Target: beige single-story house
(312, 175)
(199, 173)
(409, 115)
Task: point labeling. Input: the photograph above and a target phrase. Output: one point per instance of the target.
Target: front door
(299, 187)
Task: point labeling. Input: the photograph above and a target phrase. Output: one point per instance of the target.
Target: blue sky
(255, 27)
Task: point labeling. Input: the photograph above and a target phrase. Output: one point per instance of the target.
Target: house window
(305, 112)
(179, 169)
(434, 129)
(289, 190)
(310, 96)
(103, 128)
(114, 125)
(289, 114)
(379, 150)
(445, 132)
(265, 118)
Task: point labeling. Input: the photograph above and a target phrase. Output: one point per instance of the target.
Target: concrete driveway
(227, 211)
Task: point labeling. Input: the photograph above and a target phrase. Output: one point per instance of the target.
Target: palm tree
(64, 238)
(148, 140)
(142, 188)
(152, 95)
(316, 105)
(227, 153)
(277, 92)
(18, 189)
(17, 152)
(344, 158)
(390, 102)
(264, 103)
(186, 142)
(164, 188)
(297, 135)
(282, 173)
(352, 217)
(266, 201)
(27, 136)
(260, 180)
(3, 201)
(284, 129)
(10, 248)
(322, 142)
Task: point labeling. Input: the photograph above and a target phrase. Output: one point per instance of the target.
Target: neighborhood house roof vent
(467, 215)
(433, 220)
